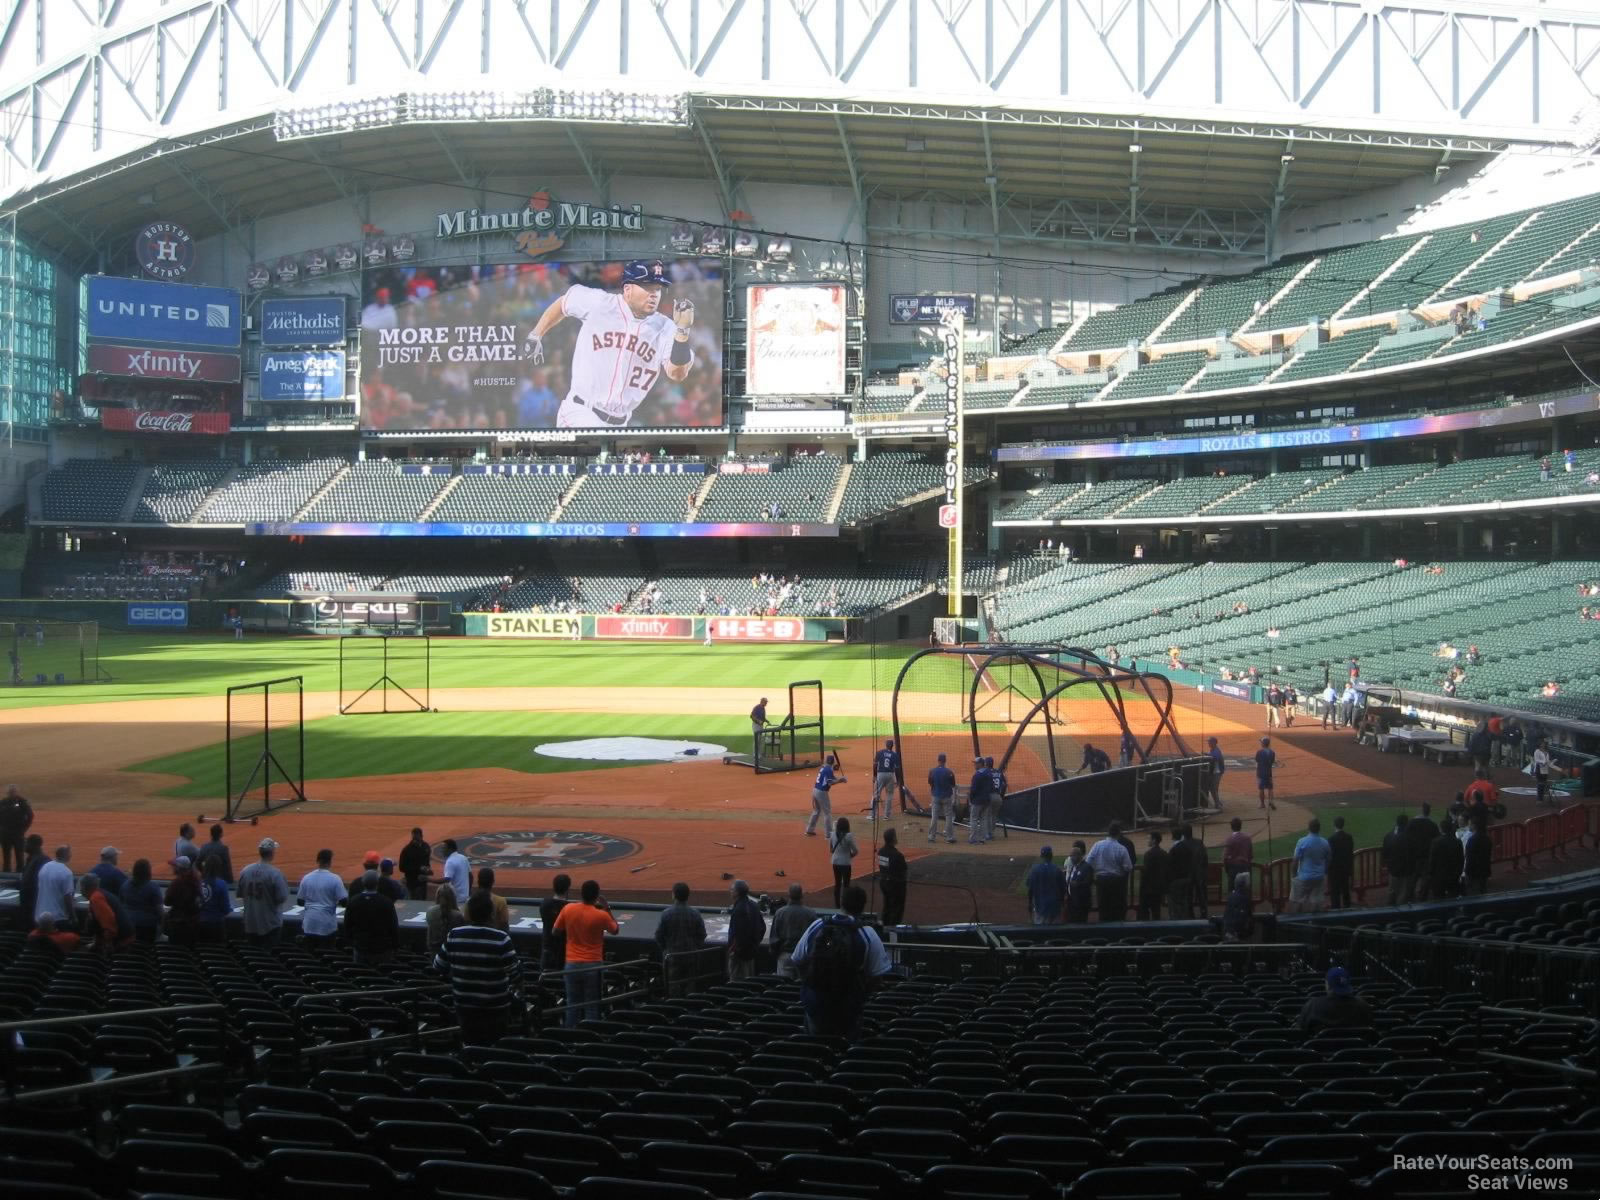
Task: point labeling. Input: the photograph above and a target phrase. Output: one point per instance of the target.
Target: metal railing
(9, 1044)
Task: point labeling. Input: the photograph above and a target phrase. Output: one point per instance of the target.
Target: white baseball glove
(683, 313)
(533, 349)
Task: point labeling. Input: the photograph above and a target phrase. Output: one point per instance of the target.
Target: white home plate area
(633, 749)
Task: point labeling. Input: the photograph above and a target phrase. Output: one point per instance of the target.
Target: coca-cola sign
(128, 420)
(644, 627)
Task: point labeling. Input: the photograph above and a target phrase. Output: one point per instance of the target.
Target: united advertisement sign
(302, 375)
(162, 314)
(303, 321)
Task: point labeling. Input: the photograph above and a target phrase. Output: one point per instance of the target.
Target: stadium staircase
(700, 494)
(1310, 266)
(131, 505)
(212, 496)
(433, 505)
(1444, 291)
(566, 496)
(1172, 317)
(300, 514)
(837, 499)
(1352, 307)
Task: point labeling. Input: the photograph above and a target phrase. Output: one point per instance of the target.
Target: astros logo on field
(542, 849)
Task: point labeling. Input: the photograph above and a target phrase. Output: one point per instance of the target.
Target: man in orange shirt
(45, 931)
(1482, 790)
(108, 931)
(585, 926)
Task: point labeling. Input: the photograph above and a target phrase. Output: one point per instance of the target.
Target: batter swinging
(623, 345)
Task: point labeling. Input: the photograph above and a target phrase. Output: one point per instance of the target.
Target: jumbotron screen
(594, 345)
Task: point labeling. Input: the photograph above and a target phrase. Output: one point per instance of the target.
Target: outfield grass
(148, 666)
(348, 747)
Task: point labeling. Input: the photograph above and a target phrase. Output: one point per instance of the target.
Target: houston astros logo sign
(164, 249)
(542, 849)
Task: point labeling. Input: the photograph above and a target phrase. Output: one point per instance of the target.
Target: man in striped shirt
(484, 973)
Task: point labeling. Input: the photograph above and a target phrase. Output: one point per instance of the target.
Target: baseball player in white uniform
(623, 345)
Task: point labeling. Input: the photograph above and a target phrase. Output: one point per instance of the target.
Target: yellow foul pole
(950, 515)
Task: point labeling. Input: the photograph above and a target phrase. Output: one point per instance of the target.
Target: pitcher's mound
(631, 749)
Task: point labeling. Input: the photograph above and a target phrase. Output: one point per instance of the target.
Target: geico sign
(157, 612)
(754, 629)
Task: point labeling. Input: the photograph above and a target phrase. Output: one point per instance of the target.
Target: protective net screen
(1036, 712)
(50, 652)
(384, 674)
(265, 746)
(805, 702)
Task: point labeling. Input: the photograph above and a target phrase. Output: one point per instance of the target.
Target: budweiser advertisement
(756, 629)
(128, 420)
(162, 362)
(651, 628)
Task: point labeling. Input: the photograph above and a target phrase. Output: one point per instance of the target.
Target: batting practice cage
(42, 653)
(385, 674)
(794, 743)
(265, 748)
(1042, 713)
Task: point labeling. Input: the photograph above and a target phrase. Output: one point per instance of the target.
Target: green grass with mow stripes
(149, 666)
(397, 744)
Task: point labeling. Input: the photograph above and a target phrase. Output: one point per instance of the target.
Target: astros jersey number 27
(618, 356)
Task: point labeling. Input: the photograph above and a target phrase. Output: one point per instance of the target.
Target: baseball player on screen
(623, 345)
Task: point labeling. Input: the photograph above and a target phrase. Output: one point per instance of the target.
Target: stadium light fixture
(480, 105)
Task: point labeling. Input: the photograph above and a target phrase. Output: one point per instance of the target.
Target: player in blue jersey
(978, 793)
(821, 805)
(885, 779)
(942, 788)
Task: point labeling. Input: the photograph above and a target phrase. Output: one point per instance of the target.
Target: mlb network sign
(303, 376)
(171, 615)
(163, 314)
(303, 321)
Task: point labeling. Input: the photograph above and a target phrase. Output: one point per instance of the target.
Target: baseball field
(125, 761)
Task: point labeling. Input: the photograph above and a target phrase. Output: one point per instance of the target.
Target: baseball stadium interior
(1157, 443)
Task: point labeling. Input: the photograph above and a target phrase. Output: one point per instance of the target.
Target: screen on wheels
(594, 345)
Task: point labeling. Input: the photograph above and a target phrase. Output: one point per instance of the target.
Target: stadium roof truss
(1191, 123)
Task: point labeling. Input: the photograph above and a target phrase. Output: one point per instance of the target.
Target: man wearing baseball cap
(106, 870)
(370, 861)
(264, 891)
(1337, 1008)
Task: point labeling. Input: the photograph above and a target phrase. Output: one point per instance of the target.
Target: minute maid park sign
(542, 224)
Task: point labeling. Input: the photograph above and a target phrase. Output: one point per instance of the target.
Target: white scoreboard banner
(796, 339)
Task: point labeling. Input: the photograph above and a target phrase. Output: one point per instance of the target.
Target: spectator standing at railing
(485, 974)
(416, 864)
(1112, 864)
(1341, 865)
(1400, 859)
(1153, 880)
(16, 816)
(680, 930)
(584, 926)
(1080, 885)
(1311, 855)
(264, 891)
(1476, 859)
(217, 849)
(1047, 888)
(892, 879)
(1422, 831)
(746, 930)
(789, 924)
(1446, 861)
(1238, 852)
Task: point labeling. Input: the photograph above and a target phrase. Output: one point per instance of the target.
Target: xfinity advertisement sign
(303, 321)
(303, 375)
(161, 314)
(169, 614)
